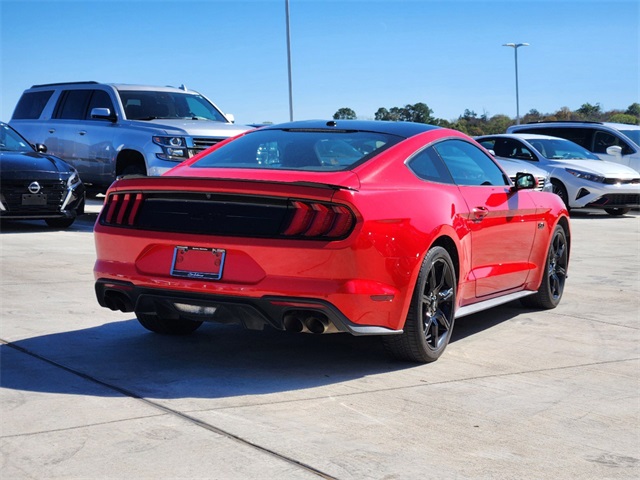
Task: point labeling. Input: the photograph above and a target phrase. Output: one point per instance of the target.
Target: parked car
(579, 177)
(268, 229)
(513, 167)
(35, 185)
(108, 130)
(613, 142)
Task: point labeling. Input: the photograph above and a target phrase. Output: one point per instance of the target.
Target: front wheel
(555, 273)
(429, 323)
(559, 189)
(167, 326)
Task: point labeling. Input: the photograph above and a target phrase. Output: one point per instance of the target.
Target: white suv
(614, 142)
(108, 130)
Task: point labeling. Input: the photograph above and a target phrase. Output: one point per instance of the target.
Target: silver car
(109, 130)
(579, 177)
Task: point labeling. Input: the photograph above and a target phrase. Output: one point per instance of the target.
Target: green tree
(590, 112)
(345, 113)
(623, 118)
(419, 113)
(634, 109)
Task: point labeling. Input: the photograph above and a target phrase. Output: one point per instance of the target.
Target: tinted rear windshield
(312, 150)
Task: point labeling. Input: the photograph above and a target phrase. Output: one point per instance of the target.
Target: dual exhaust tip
(308, 321)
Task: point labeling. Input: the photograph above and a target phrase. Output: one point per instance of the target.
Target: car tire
(64, 222)
(559, 189)
(167, 326)
(616, 212)
(555, 273)
(429, 323)
(134, 169)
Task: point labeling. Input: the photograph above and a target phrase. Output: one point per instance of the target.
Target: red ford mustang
(370, 228)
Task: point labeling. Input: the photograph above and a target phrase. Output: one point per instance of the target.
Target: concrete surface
(87, 393)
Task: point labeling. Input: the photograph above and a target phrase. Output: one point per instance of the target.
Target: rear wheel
(429, 323)
(552, 286)
(617, 211)
(166, 326)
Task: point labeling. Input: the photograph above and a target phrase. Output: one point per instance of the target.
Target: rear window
(311, 150)
(31, 104)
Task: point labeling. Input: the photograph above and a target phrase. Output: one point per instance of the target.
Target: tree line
(473, 124)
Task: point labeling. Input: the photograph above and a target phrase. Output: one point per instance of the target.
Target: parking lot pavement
(88, 393)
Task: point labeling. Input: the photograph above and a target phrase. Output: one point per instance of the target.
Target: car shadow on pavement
(216, 361)
(83, 223)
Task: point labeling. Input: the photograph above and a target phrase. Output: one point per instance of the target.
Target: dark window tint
(99, 99)
(72, 104)
(427, 165)
(510, 148)
(31, 105)
(315, 150)
(604, 140)
(469, 165)
(581, 136)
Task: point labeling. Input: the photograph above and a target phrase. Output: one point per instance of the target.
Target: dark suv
(108, 130)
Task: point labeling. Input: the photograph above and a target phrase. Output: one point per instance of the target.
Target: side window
(99, 99)
(604, 140)
(72, 105)
(427, 165)
(510, 148)
(468, 164)
(31, 104)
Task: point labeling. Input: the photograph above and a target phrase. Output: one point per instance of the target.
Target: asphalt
(86, 393)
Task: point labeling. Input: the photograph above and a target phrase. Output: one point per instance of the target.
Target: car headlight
(592, 177)
(173, 148)
(74, 179)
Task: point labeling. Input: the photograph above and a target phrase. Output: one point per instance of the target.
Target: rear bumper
(279, 312)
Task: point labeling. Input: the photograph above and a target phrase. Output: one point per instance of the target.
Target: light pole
(289, 61)
(515, 51)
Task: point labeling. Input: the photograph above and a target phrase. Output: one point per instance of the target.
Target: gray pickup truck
(109, 130)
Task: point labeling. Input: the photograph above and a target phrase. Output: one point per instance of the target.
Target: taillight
(122, 208)
(318, 220)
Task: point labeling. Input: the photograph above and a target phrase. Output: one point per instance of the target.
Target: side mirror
(614, 150)
(524, 181)
(40, 147)
(103, 114)
(230, 117)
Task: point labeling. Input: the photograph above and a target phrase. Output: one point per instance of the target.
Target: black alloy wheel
(552, 286)
(429, 323)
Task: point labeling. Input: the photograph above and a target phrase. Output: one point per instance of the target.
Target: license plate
(198, 263)
(34, 199)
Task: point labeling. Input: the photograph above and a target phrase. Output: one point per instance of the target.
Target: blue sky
(348, 53)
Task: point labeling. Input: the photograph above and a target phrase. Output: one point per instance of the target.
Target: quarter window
(468, 164)
(428, 165)
(31, 105)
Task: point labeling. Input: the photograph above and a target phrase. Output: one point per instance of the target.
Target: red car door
(503, 226)
(502, 223)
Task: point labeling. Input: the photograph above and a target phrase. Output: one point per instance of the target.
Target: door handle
(52, 130)
(82, 132)
(479, 213)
